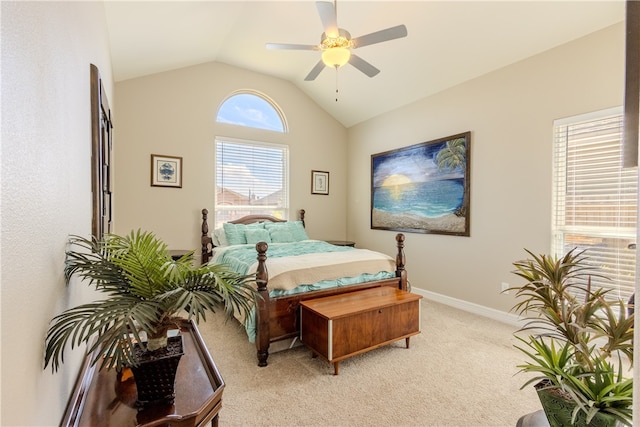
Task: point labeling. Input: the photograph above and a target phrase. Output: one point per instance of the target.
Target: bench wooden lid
(336, 306)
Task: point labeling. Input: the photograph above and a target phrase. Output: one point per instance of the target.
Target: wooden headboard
(207, 241)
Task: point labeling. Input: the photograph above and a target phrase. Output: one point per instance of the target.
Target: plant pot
(155, 374)
(559, 409)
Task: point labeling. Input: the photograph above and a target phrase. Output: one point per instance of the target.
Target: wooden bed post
(205, 240)
(400, 262)
(302, 212)
(263, 335)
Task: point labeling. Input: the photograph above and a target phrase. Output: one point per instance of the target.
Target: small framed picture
(320, 182)
(166, 171)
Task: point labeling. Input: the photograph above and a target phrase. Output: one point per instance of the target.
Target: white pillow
(219, 237)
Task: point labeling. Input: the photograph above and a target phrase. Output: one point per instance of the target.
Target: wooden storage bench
(341, 326)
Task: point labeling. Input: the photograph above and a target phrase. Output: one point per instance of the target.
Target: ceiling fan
(336, 43)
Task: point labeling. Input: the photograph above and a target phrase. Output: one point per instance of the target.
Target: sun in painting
(395, 181)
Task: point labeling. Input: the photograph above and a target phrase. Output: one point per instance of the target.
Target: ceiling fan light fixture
(336, 56)
(336, 43)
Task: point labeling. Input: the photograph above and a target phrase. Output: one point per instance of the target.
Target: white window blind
(595, 198)
(251, 178)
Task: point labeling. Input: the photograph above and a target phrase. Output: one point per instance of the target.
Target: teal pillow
(272, 225)
(255, 235)
(294, 228)
(280, 235)
(234, 233)
(297, 230)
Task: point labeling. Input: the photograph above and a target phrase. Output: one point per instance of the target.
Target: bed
(296, 267)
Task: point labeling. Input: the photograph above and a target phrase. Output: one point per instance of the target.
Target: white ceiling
(448, 42)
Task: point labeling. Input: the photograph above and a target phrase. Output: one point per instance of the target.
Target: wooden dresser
(341, 326)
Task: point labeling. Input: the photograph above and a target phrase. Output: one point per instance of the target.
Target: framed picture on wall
(423, 188)
(166, 171)
(320, 182)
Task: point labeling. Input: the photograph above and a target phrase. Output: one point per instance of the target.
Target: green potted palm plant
(147, 294)
(580, 342)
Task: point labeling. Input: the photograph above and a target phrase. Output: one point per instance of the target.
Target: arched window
(251, 177)
(253, 110)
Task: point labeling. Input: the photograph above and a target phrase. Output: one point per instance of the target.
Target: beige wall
(173, 113)
(46, 150)
(510, 114)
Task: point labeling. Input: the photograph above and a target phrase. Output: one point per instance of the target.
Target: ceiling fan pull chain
(337, 83)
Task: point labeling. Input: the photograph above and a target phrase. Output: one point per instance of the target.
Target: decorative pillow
(280, 235)
(255, 235)
(254, 226)
(295, 228)
(219, 237)
(234, 233)
(214, 239)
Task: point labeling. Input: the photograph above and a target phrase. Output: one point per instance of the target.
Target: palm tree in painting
(452, 155)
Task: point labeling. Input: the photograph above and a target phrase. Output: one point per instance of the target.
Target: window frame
(579, 201)
(236, 211)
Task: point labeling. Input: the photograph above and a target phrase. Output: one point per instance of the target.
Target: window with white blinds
(595, 198)
(251, 178)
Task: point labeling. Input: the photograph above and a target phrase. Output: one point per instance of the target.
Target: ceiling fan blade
(315, 71)
(380, 36)
(288, 46)
(329, 18)
(363, 65)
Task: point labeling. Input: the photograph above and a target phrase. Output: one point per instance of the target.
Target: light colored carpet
(460, 371)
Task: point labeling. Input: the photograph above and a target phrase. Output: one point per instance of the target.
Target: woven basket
(559, 409)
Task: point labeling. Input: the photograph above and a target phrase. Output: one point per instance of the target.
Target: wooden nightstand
(341, 242)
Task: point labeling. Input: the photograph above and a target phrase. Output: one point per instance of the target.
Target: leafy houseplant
(582, 344)
(147, 291)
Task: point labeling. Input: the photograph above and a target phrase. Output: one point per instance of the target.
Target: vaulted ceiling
(448, 42)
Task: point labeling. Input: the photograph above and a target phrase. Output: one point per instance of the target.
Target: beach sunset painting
(423, 188)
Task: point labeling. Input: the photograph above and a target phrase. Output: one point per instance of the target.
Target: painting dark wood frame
(399, 175)
(101, 156)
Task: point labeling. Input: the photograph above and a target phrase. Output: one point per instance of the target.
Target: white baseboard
(480, 310)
